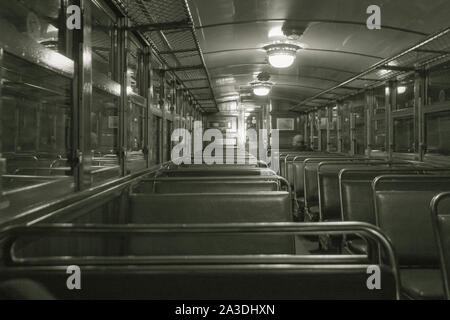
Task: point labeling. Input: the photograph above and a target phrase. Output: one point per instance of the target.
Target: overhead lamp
(261, 88)
(281, 54)
(401, 89)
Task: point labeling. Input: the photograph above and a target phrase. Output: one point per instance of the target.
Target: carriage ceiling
(337, 45)
(168, 26)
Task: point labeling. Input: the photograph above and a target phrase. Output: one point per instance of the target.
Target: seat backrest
(328, 184)
(402, 212)
(440, 216)
(205, 171)
(209, 186)
(310, 183)
(356, 194)
(211, 207)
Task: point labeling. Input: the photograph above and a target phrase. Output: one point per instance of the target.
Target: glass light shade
(401, 89)
(281, 60)
(282, 54)
(261, 90)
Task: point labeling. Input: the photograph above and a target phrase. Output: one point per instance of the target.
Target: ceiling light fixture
(262, 86)
(281, 54)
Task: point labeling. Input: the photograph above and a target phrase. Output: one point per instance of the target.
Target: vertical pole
(162, 134)
(3, 201)
(390, 102)
(339, 127)
(419, 119)
(369, 106)
(81, 156)
(124, 105)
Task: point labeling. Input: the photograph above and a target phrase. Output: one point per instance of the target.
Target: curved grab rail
(11, 234)
(434, 206)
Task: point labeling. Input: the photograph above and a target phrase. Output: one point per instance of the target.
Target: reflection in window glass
(379, 120)
(360, 129)
(438, 133)
(156, 82)
(134, 67)
(104, 135)
(35, 118)
(439, 84)
(136, 143)
(345, 128)
(103, 42)
(404, 135)
(322, 118)
(333, 130)
(405, 94)
(36, 20)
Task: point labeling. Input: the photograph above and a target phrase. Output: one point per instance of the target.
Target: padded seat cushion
(422, 283)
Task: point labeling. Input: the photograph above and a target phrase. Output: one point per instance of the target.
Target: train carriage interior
(225, 149)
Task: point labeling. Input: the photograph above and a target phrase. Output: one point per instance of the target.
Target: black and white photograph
(224, 158)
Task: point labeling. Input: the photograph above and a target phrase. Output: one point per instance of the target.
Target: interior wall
(288, 122)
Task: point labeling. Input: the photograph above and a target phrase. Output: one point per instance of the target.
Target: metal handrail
(11, 234)
(434, 205)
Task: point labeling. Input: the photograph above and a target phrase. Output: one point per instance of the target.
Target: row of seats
(395, 196)
(198, 231)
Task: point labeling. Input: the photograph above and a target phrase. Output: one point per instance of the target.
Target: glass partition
(104, 42)
(405, 93)
(404, 135)
(439, 85)
(333, 130)
(345, 127)
(105, 116)
(437, 131)
(379, 119)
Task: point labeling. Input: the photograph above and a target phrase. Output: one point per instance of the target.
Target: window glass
(104, 136)
(360, 128)
(156, 82)
(134, 67)
(404, 135)
(322, 118)
(136, 141)
(439, 84)
(36, 109)
(33, 20)
(333, 130)
(345, 128)
(379, 119)
(405, 93)
(103, 42)
(438, 133)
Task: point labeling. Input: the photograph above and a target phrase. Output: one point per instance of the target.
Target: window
(345, 128)
(322, 118)
(36, 105)
(358, 112)
(379, 119)
(438, 133)
(36, 110)
(405, 94)
(404, 135)
(134, 68)
(104, 37)
(439, 84)
(333, 131)
(37, 22)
